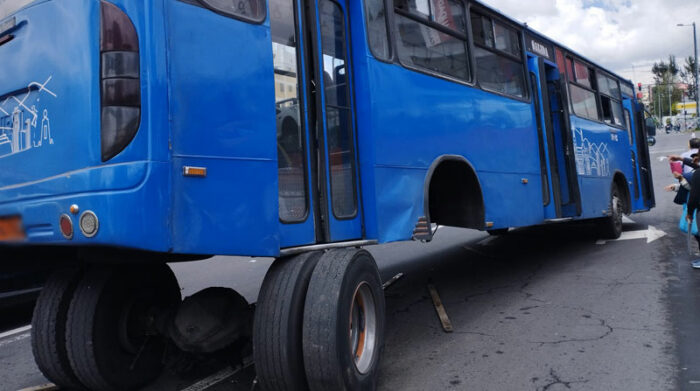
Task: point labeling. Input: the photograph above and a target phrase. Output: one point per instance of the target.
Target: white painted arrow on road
(650, 235)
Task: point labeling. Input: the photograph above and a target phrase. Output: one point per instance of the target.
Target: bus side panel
(600, 151)
(49, 92)
(417, 118)
(223, 119)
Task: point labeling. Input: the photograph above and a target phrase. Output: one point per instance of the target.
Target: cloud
(626, 36)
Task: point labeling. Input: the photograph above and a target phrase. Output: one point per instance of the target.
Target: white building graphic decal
(22, 126)
(592, 159)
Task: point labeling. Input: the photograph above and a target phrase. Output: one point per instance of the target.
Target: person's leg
(696, 263)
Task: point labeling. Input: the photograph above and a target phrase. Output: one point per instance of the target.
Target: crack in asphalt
(474, 333)
(603, 323)
(487, 292)
(556, 379)
(407, 308)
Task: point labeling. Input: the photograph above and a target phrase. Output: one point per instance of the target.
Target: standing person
(694, 145)
(694, 205)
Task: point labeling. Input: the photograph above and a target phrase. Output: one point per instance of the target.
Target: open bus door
(646, 127)
(326, 208)
(556, 144)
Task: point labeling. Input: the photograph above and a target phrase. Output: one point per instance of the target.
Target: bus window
(583, 102)
(338, 111)
(610, 100)
(507, 40)
(376, 29)
(290, 132)
(583, 75)
(498, 53)
(253, 10)
(561, 63)
(431, 36)
(628, 124)
(627, 90)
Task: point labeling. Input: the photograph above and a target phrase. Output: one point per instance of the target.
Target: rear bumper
(130, 201)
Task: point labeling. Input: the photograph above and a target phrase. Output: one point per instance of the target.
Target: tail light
(120, 81)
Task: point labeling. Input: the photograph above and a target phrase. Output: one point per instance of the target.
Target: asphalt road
(545, 308)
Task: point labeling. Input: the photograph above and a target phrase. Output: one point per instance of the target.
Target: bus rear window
(9, 7)
(253, 10)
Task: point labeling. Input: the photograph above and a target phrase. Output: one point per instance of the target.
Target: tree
(665, 72)
(666, 77)
(688, 76)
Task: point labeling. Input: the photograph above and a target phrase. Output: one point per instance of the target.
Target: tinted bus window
(482, 30)
(376, 29)
(338, 110)
(561, 62)
(447, 13)
(583, 75)
(290, 132)
(507, 40)
(253, 10)
(431, 36)
(608, 86)
(9, 7)
(499, 74)
(498, 53)
(627, 90)
(584, 102)
(610, 100)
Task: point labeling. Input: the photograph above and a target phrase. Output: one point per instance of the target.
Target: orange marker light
(200, 172)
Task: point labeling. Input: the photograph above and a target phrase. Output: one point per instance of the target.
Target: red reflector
(66, 226)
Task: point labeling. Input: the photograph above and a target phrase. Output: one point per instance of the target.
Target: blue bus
(134, 133)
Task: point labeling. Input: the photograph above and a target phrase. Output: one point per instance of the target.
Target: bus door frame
(550, 73)
(552, 206)
(643, 157)
(329, 228)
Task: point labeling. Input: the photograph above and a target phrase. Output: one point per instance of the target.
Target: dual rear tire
(330, 340)
(94, 329)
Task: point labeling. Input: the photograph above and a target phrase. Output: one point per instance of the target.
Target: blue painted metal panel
(601, 151)
(50, 130)
(208, 100)
(549, 210)
(222, 110)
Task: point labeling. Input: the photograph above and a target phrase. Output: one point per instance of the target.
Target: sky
(625, 36)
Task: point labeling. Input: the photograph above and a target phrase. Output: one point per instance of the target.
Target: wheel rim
(617, 212)
(363, 327)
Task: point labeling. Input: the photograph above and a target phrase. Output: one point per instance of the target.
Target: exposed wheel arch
(453, 194)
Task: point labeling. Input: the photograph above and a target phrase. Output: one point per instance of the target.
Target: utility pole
(670, 105)
(697, 82)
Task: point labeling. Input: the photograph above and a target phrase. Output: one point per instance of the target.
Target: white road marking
(486, 241)
(14, 339)
(215, 378)
(627, 220)
(667, 152)
(15, 331)
(43, 387)
(650, 235)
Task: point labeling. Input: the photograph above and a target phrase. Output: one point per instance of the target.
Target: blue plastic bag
(683, 223)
